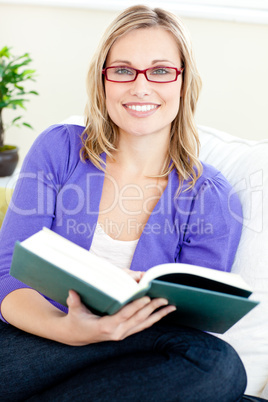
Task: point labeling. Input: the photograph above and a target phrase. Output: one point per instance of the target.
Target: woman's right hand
(81, 327)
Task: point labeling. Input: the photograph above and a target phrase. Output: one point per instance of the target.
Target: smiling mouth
(142, 108)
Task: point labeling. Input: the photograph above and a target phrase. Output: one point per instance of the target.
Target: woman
(138, 196)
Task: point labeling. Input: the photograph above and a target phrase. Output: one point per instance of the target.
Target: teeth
(143, 108)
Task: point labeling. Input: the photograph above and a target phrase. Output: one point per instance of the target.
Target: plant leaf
(5, 52)
(16, 119)
(19, 87)
(14, 103)
(27, 125)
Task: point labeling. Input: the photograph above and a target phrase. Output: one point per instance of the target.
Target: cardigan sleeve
(32, 206)
(212, 232)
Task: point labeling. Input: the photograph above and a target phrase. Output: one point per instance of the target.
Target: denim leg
(159, 364)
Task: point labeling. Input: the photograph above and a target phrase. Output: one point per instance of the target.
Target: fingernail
(71, 299)
(146, 299)
(164, 302)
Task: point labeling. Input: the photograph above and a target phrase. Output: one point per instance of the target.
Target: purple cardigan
(57, 190)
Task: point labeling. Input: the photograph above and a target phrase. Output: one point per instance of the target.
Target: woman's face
(141, 107)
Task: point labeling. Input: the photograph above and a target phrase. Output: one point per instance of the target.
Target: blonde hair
(101, 134)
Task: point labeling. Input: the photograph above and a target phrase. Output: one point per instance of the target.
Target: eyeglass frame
(178, 72)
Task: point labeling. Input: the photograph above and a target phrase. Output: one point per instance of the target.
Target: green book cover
(201, 303)
(200, 308)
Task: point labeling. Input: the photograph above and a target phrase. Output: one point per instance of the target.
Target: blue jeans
(162, 363)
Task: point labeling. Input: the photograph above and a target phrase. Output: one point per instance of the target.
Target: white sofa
(245, 164)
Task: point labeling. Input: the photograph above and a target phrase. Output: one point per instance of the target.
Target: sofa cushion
(245, 164)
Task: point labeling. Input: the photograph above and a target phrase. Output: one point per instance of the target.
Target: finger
(133, 318)
(151, 320)
(137, 312)
(128, 320)
(149, 308)
(136, 275)
(147, 316)
(75, 305)
(73, 299)
(131, 309)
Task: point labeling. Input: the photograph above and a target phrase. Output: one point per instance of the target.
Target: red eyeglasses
(154, 74)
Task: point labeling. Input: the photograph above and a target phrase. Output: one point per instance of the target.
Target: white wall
(232, 58)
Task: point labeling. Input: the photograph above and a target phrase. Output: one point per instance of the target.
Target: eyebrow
(153, 62)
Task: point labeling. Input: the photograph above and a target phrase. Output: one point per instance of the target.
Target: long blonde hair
(101, 134)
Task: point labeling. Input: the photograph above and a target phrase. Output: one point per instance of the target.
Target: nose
(141, 86)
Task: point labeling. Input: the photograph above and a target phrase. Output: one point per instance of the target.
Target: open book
(206, 299)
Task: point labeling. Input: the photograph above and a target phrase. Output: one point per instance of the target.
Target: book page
(212, 274)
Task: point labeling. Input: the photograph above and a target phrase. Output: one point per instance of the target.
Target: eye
(160, 71)
(123, 71)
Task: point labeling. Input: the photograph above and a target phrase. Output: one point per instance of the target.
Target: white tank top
(118, 252)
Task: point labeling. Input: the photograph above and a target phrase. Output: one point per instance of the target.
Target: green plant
(14, 71)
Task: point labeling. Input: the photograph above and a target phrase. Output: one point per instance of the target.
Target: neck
(142, 156)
